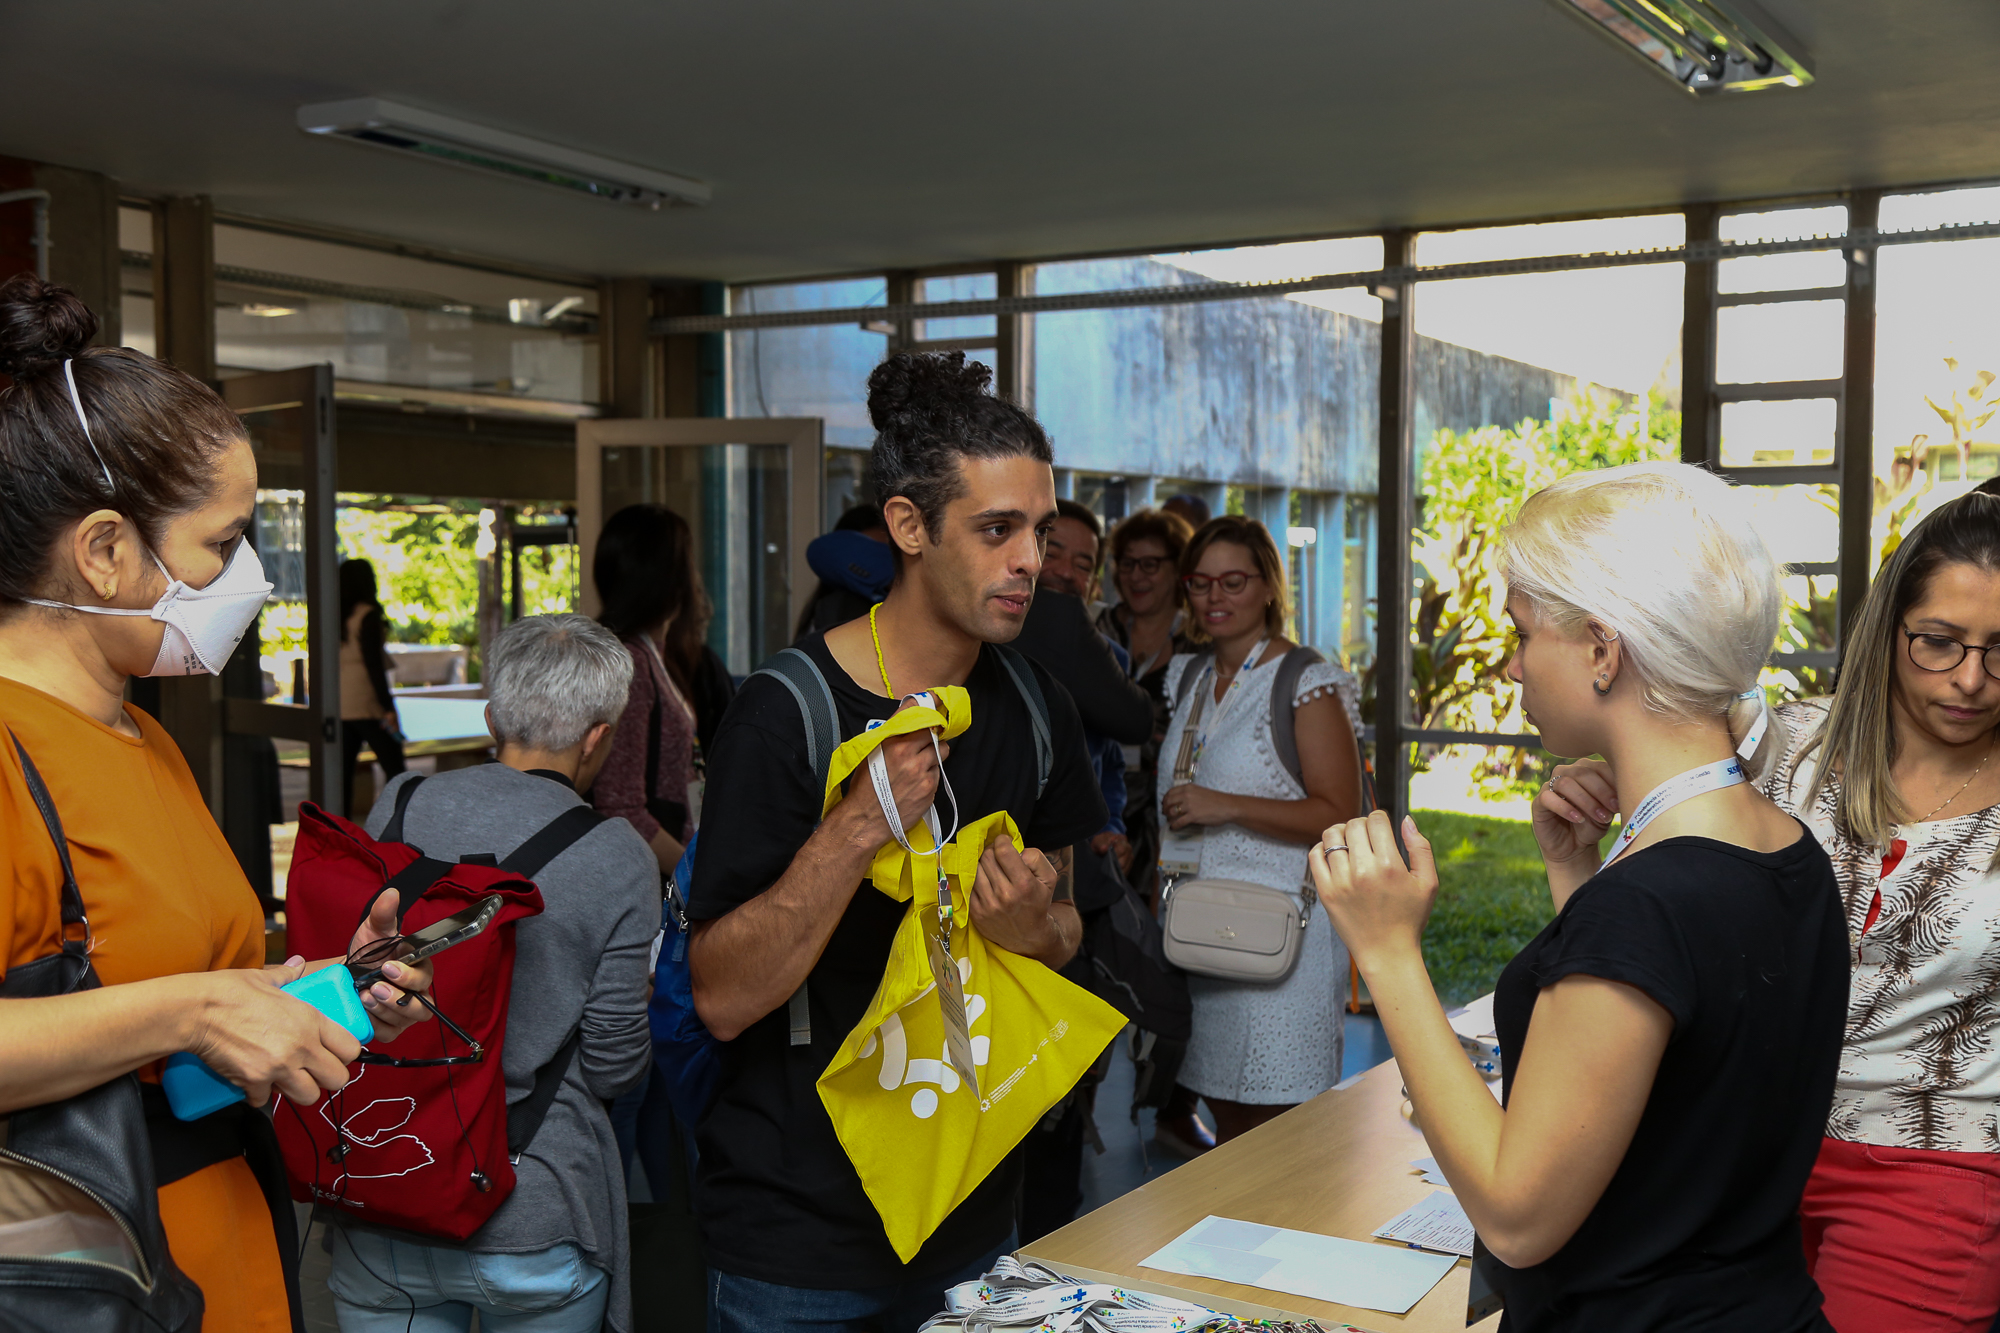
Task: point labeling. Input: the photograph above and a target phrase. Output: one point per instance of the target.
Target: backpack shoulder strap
(393, 830)
(1284, 729)
(1038, 711)
(555, 838)
(524, 1118)
(798, 673)
(1190, 674)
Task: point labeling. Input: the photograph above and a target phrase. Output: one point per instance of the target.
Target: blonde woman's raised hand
(1377, 902)
(1573, 811)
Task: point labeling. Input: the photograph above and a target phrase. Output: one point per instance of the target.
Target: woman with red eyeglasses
(1233, 808)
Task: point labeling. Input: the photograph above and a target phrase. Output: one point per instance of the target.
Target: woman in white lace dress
(1257, 1050)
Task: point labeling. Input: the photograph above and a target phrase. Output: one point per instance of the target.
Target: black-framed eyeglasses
(365, 964)
(1235, 581)
(1148, 565)
(1935, 652)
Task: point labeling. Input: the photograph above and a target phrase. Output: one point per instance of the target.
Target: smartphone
(433, 939)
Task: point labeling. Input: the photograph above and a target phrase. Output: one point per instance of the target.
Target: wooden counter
(1338, 1165)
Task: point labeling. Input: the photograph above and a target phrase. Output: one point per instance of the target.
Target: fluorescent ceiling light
(426, 134)
(1705, 46)
(265, 311)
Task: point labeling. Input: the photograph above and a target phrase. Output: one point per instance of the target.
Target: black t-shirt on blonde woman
(1698, 1229)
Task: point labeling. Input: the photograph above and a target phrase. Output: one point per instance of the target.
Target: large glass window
(816, 371)
(1936, 360)
(1518, 380)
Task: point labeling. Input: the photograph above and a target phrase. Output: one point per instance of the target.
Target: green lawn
(1492, 899)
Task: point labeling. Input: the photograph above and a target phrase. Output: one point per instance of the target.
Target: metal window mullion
(1394, 485)
(1855, 449)
(1700, 419)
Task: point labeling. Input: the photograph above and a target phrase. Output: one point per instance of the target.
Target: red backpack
(421, 1139)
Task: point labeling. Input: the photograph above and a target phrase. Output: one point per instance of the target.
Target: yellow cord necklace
(880, 666)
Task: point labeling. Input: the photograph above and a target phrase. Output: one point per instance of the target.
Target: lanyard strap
(1194, 738)
(1695, 782)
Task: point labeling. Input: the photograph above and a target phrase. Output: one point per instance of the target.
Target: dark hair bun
(914, 389)
(41, 325)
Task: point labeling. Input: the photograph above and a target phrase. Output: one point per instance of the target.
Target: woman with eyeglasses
(1146, 622)
(1896, 774)
(1234, 810)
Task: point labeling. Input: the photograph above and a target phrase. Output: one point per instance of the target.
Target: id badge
(951, 998)
(1180, 851)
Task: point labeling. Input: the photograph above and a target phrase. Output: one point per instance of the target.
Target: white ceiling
(901, 133)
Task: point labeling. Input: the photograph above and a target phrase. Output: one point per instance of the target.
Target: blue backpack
(685, 1053)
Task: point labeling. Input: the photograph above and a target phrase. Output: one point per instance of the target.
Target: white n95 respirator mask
(204, 625)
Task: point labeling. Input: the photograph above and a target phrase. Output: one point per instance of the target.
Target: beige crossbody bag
(1230, 929)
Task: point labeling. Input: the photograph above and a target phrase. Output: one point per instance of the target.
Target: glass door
(749, 488)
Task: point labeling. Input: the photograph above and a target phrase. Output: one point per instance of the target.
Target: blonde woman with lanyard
(1669, 1042)
(1256, 1050)
(1896, 776)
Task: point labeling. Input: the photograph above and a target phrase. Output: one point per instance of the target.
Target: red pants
(1904, 1241)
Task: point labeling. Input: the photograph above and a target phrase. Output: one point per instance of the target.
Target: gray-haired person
(553, 1258)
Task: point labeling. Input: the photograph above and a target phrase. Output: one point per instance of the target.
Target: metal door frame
(802, 437)
(316, 723)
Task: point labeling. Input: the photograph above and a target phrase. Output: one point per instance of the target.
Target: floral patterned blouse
(1920, 1067)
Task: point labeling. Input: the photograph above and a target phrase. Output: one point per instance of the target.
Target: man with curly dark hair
(968, 498)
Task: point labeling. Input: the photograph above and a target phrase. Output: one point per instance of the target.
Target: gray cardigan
(583, 960)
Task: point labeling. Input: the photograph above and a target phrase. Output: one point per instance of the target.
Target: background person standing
(1896, 775)
(1258, 1050)
(367, 708)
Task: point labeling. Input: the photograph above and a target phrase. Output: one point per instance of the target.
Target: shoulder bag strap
(1038, 711)
(1192, 674)
(72, 896)
(1284, 708)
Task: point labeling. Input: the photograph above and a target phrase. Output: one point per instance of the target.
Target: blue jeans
(745, 1305)
(381, 1285)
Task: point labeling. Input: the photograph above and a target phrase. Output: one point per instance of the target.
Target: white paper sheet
(1437, 1223)
(1345, 1272)
(1432, 1175)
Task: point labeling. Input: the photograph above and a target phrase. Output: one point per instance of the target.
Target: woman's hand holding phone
(388, 1008)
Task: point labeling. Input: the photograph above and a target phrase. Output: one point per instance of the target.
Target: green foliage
(427, 555)
(426, 567)
(1472, 483)
(1493, 897)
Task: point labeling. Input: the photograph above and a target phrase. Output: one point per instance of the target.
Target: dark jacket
(1059, 634)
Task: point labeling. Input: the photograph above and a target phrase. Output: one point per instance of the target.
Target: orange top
(164, 895)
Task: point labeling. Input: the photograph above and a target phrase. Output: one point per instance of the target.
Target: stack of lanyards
(1018, 1296)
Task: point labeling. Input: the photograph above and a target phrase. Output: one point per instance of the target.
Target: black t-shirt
(779, 1200)
(1698, 1229)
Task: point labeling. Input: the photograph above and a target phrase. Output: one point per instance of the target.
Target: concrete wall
(1262, 393)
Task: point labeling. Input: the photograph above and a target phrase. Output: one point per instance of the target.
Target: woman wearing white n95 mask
(125, 491)
(1669, 1043)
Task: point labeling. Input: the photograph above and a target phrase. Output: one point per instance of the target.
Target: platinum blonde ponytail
(1664, 555)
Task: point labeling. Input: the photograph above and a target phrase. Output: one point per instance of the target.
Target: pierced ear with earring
(1601, 685)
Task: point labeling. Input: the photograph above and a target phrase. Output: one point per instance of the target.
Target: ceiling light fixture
(426, 134)
(1705, 46)
(263, 310)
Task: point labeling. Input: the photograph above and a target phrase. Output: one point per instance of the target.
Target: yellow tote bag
(919, 1136)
